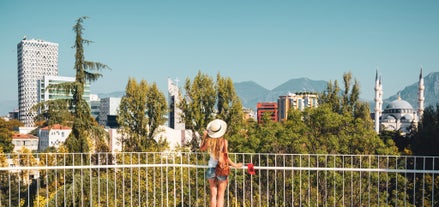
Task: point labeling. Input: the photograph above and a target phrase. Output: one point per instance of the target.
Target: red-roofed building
(28, 141)
(53, 136)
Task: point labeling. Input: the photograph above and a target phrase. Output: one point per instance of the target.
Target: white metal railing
(177, 179)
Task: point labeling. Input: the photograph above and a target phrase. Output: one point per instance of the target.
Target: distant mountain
(410, 93)
(251, 93)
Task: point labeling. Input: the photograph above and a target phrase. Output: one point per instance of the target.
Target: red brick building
(267, 107)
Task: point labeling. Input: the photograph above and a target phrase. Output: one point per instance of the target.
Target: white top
(212, 162)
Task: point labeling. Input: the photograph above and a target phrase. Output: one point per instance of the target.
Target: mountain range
(251, 93)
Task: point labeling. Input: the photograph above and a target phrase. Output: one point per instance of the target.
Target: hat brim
(220, 132)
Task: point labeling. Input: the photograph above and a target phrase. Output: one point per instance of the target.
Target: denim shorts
(210, 174)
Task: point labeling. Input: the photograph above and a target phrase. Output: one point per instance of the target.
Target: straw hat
(216, 128)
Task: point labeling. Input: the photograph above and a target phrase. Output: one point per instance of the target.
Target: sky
(268, 42)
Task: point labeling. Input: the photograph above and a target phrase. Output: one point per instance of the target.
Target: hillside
(410, 93)
(251, 93)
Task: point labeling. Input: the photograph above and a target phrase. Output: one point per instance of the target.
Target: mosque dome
(399, 104)
(407, 118)
(390, 118)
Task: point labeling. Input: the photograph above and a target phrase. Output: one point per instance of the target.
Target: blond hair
(214, 146)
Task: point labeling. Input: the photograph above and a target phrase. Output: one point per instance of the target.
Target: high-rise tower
(175, 114)
(35, 59)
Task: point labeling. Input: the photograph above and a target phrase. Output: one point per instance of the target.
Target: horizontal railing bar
(236, 153)
(205, 166)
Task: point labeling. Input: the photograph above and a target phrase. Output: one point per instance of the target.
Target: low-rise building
(28, 141)
(53, 136)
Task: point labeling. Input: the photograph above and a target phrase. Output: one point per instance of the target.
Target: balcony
(177, 179)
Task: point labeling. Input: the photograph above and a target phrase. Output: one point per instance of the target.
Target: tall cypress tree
(86, 134)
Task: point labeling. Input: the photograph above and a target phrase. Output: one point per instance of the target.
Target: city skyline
(241, 40)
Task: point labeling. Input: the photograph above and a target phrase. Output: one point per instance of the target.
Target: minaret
(378, 101)
(421, 98)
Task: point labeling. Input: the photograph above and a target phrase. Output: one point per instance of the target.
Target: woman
(213, 141)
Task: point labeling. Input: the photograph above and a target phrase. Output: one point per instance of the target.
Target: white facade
(52, 136)
(35, 59)
(46, 95)
(95, 104)
(28, 141)
(25, 130)
(115, 143)
(399, 115)
(175, 137)
(108, 107)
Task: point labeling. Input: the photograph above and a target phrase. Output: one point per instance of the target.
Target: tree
(6, 134)
(86, 134)
(198, 105)
(426, 138)
(140, 114)
(53, 112)
(229, 105)
(205, 100)
(156, 109)
(132, 115)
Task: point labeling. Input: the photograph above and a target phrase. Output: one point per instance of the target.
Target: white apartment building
(52, 136)
(46, 95)
(28, 141)
(35, 59)
(298, 101)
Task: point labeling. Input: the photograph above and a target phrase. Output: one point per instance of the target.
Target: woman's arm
(203, 145)
(231, 163)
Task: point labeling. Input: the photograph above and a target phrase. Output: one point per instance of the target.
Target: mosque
(398, 114)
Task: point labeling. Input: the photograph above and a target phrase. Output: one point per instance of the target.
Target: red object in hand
(251, 169)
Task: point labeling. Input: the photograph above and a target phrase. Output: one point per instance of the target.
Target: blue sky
(268, 42)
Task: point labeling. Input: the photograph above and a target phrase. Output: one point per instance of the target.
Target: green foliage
(426, 139)
(140, 114)
(6, 133)
(53, 112)
(86, 135)
(205, 100)
(198, 105)
(156, 108)
(229, 107)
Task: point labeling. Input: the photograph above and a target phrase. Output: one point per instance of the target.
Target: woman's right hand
(238, 165)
